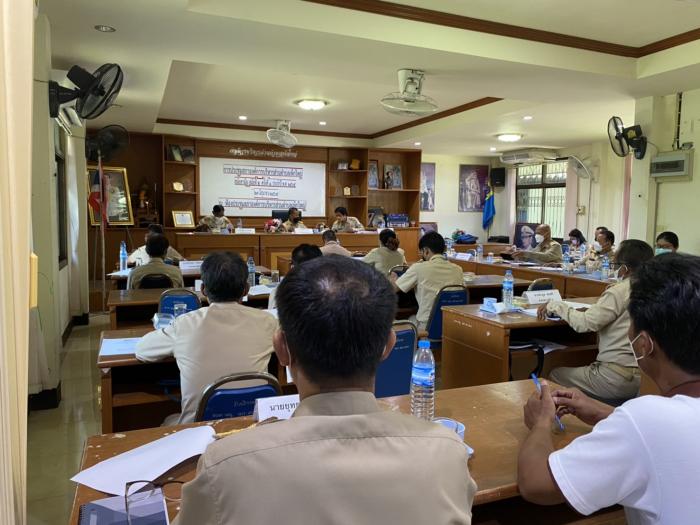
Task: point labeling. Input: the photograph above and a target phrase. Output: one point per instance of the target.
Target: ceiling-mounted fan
(622, 139)
(281, 134)
(409, 99)
(94, 94)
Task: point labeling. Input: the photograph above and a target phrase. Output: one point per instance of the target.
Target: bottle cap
(423, 343)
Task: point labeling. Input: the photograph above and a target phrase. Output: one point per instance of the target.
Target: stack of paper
(122, 346)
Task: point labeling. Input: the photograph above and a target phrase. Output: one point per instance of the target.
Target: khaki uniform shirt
(334, 248)
(221, 339)
(608, 317)
(289, 226)
(544, 253)
(428, 278)
(155, 266)
(140, 257)
(351, 224)
(216, 223)
(383, 259)
(594, 259)
(340, 459)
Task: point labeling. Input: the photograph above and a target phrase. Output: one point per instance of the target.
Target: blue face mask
(661, 251)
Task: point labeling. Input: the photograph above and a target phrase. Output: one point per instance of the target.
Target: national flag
(489, 209)
(98, 188)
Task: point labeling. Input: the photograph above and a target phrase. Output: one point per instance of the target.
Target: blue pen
(539, 391)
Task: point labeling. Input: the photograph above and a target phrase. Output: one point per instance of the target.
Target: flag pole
(103, 219)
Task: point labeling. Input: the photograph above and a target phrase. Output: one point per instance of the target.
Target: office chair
(399, 269)
(169, 298)
(544, 283)
(155, 280)
(394, 373)
(451, 295)
(221, 403)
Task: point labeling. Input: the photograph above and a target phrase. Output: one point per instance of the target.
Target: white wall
(446, 200)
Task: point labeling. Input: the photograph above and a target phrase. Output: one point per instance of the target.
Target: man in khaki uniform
(223, 338)
(331, 245)
(293, 221)
(156, 247)
(546, 251)
(341, 458)
(344, 222)
(217, 221)
(429, 277)
(603, 246)
(614, 374)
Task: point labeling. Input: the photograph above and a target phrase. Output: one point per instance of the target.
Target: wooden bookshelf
(398, 200)
(338, 179)
(184, 172)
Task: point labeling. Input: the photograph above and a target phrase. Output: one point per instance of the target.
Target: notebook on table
(150, 510)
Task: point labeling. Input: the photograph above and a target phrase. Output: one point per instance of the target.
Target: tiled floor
(56, 437)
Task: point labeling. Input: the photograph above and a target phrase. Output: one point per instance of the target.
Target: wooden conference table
(475, 345)
(189, 275)
(495, 429)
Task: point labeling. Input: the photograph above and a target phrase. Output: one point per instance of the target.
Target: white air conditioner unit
(527, 156)
(68, 116)
(672, 164)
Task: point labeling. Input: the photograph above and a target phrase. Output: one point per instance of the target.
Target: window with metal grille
(541, 195)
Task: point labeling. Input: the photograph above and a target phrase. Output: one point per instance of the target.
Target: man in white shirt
(644, 454)
(223, 338)
(331, 246)
(140, 257)
(303, 252)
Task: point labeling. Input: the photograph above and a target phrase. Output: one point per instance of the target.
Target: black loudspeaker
(498, 177)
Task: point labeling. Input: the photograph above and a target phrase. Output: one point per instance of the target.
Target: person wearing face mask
(293, 221)
(576, 242)
(429, 276)
(643, 454)
(547, 250)
(603, 246)
(614, 374)
(666, 242)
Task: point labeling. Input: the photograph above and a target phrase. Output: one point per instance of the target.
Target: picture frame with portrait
(183, 219)
(373, 174)
(393, 178)
(118, 197)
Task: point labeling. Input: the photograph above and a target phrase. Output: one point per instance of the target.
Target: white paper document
(146, 462)
(120, 273)
(122, 346)
(259, 289)
(190, 265)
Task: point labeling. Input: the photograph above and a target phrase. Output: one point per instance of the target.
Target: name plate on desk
(463, 256)
(190, 265)
(281, 407)
(542, 296)
(239, 231)
(303, 231)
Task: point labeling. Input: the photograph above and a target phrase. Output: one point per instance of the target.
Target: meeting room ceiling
(214, 60)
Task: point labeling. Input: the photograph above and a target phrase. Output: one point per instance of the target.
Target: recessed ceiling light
(527, 117)
(105, 29)
(322, 123)
(492, 148)
(509, 137)
(416, 143)
(311, 104)
(242, 117)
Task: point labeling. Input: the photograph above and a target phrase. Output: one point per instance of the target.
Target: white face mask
(574, 242)
(597, 247)
(637, 359)
(619, 278)
(539, 238)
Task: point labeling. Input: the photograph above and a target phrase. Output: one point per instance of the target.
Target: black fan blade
(111, 140)
(81, 78)
(102, 94)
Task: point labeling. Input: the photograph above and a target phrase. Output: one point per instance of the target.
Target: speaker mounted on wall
(498, 177)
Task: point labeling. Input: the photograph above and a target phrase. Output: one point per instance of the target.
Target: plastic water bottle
(239, 223)
(567, 262)
(123, 256)
(251, 272)
(605, 268)
(423, 382)
(508, 290)
(479, 252)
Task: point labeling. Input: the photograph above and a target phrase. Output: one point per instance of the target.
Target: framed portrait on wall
(116, 195)
(373, 175)
(427, 186)
(393, 178)
(183, 219)
(473, 187)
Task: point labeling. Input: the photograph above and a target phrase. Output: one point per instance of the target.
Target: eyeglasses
(141, 490)
(617, 265)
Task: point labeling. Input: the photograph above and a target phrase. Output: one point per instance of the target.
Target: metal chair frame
(209, 391)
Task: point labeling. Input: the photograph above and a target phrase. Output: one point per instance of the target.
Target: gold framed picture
(183, 219)
(117, 196)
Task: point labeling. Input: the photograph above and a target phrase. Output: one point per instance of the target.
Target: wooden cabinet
(397, 200)
(180, 180)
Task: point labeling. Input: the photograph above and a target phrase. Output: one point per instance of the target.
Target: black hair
(576, 234)
(609, 236)
(433, 241)
(602, 228)
(336, 314)
(633, 253)
(157, 245)
(155, 228)
(218, 208)
(290, 210)
(305, 252)
(224, 275)
(665, 303)
(388, 238)
(342, 210)
(329, 235)
(669, 237)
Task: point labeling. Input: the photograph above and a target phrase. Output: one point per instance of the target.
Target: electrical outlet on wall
(580, 210)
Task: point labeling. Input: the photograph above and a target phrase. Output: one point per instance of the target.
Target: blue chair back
(447, 296)
(394, 373)
(222, 403)
(398, 270)
(169, 298)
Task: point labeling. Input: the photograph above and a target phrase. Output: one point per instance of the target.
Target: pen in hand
(539, 391)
